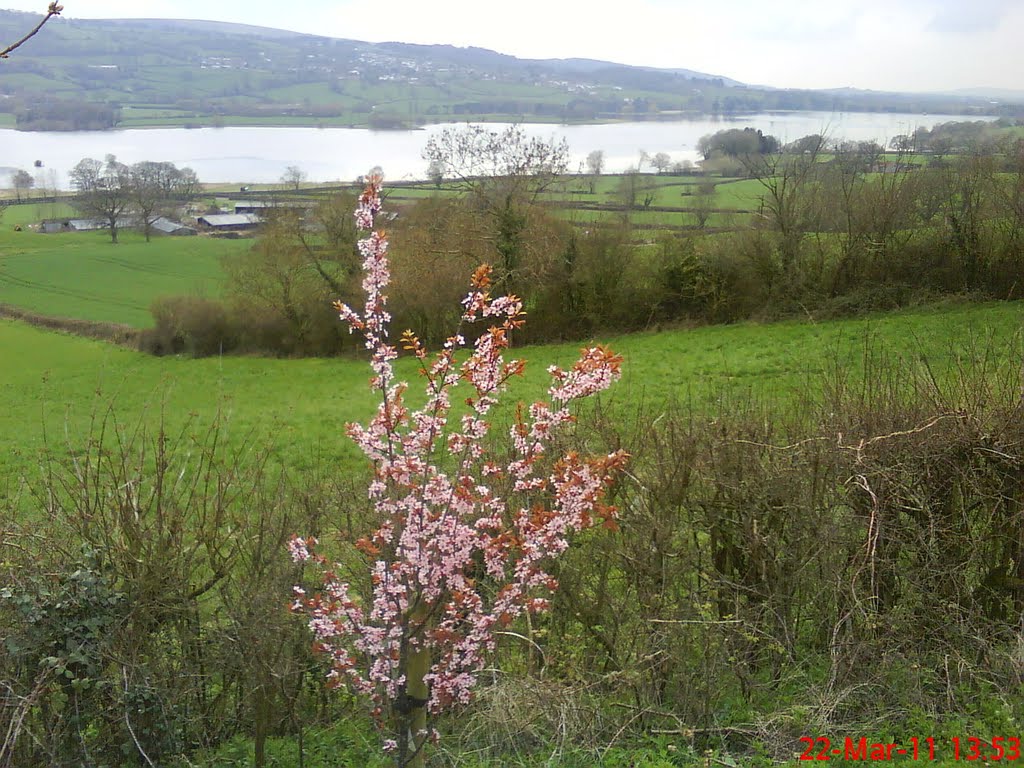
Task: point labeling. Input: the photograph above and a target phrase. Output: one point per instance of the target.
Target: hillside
(62, 379)
(138, 72)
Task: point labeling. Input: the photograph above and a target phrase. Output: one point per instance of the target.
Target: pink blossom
(437, 519)
(299, 548)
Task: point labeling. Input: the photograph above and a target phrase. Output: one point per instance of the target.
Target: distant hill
(199, 25)
(1004, 94)
(82, 74)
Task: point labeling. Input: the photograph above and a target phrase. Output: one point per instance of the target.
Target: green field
(661, 201)
(83, 275)
(60, 381)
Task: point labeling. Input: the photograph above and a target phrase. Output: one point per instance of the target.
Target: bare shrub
(144, 607)
(189, 324)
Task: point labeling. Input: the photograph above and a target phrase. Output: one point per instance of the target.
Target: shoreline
(280, 121)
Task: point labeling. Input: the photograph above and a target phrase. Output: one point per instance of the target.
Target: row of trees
(110, 190)
(955, 136)
(839, 228)
(852, 215)
(57, 114)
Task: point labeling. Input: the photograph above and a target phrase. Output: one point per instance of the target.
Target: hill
(138, 72)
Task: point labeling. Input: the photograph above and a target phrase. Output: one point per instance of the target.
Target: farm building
(229, 222)
(163, 225)
(53, 226)
(166, 226)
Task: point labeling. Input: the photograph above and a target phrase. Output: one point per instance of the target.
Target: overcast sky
(907, 45)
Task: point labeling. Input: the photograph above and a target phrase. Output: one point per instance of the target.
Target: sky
(898, 45)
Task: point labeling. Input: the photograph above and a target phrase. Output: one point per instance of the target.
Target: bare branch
(53, 10)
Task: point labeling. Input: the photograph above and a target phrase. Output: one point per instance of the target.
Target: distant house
(166, 226)
(229, 222)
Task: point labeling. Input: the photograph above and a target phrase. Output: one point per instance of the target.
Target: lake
(260, 155)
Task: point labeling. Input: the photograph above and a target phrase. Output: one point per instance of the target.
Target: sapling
(467, 522)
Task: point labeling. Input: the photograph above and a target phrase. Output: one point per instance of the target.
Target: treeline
(838, 230)
(738, 142)
(50, 114)
(850, 563)
(957, 136)
(143, 192)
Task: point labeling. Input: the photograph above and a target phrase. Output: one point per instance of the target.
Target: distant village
(388, 68)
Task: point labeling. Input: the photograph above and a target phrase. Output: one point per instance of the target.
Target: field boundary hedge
(124, 335)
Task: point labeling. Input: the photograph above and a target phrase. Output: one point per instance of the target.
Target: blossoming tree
(463, 536)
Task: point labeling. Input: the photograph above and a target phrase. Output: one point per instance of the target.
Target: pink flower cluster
(463, 537)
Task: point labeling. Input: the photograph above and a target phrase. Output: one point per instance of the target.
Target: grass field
(300, 406)
(83, 275)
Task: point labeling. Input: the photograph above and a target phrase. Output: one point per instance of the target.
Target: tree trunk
(261, 719)
(419, 666)
(411, 710)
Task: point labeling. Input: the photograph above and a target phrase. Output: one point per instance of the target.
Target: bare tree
(22, 181)
(154, 186)
(966, 210)
(787, 200)
(479, 158)
(661, 161)
(703, 203)
(104, 190)
(435, 172)
(53, 10)
(866, 202)
(595, 164)
(629, 187)
(505, 172)
(293, 177)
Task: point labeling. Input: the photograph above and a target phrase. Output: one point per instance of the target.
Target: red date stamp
(863, 749)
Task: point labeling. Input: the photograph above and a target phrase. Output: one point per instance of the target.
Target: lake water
(260, 155)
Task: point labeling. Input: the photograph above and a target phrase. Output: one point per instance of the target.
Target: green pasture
(299, 407)
(83, 275)
(572, 199)
(738, 193)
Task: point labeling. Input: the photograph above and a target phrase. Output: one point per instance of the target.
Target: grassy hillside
(83, 275)
(164, 72)
(62, 382)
